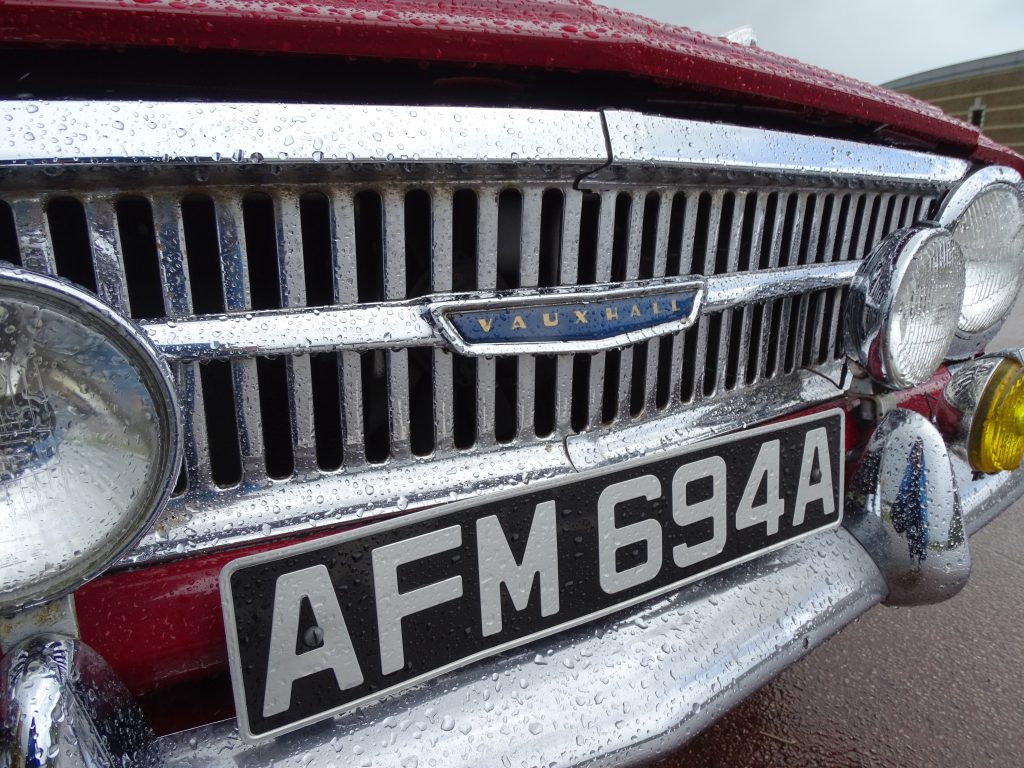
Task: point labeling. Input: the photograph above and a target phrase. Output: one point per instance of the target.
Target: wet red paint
(557, 35)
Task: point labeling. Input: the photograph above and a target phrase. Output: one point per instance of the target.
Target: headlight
(986, 216)
(89, 437)
(904, 304)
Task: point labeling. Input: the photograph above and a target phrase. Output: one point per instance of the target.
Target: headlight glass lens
(923, 317)
(996, 439)
(991, 233)
(88, 434)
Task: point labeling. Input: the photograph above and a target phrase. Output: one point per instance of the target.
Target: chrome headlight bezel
(81, 309)
(873, 307)
(968, 344)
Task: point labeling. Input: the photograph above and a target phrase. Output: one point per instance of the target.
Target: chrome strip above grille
(298, 256)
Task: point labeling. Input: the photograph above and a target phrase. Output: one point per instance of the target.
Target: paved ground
(939, 685)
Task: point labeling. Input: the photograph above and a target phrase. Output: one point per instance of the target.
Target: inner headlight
(904, 304)
(89, 437)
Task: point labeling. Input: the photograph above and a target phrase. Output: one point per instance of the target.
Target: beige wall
(1001, 93)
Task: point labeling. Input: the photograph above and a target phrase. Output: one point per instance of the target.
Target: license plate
(328, 625)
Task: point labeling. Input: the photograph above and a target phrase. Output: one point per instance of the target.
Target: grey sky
(873, 40)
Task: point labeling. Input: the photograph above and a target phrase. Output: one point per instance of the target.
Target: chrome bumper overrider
(618, 692)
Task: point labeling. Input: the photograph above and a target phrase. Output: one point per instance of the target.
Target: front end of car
(377, 433)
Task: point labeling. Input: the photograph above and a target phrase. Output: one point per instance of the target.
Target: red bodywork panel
(550, 35)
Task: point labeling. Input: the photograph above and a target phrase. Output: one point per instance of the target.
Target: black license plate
(324, 626)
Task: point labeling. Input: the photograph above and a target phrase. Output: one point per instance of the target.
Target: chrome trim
(636, 139)
(63, 707)
(420, 323)
(956, 202)
(873, 300)
(903, 506)
(669, 667)
(219, 518)
(139, 354)
(175, 133)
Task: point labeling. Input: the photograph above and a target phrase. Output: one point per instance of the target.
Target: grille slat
(237, 297)
(395, 288)
(747, 313)
(602, 274)
(106, 250)
(529, 276)
(34, 245)
(687, 243)
(739, 207)
(634, 235)
(661, 238)
(486, 279)
(292, 281)
(568, 274)
(441, 238)
(713, 234)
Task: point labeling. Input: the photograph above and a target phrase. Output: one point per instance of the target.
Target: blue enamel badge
(583, 320)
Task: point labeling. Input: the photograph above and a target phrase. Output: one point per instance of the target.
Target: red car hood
(554, 35)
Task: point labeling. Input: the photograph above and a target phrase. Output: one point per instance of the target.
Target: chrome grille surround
(362, 219)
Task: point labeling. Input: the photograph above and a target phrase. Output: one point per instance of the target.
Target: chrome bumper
(632, 688)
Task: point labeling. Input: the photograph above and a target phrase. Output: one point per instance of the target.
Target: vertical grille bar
(568, 275)
(830, 244)
(710, 253)
(486, 279)
(394, 288)
(170, 237)
(235, 278)
(529, 270)
(878, 221)
(790, 259)
(288, 230)
(660, 263)
(809, 251)
(862, 246)
(33, 234)
(346, 291)
(105, 243)
(635, 235)
(757, 235)
(687, 243)
(739, 208)
(774, 256)
(441, 280)
(602, 274)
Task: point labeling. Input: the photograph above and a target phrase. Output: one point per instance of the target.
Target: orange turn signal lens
(996, 439)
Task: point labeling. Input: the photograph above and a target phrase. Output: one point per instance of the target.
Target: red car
(471, 383)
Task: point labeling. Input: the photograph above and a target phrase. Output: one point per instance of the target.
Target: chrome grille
(347, 244)
(166, 249)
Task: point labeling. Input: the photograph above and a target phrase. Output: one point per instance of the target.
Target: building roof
(957, 71)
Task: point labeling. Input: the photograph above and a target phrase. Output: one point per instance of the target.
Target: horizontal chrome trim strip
(175, 133)
(395, 325)
(638, 139)
(169, 133)
(669, 667)
(252, 513)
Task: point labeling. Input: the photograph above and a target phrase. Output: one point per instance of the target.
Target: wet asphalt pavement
(939, 685)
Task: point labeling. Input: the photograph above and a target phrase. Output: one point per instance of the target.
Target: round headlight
(904, 304)
(89, 437)
(986, 216)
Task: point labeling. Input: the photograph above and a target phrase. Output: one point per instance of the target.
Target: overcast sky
(873, 40)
